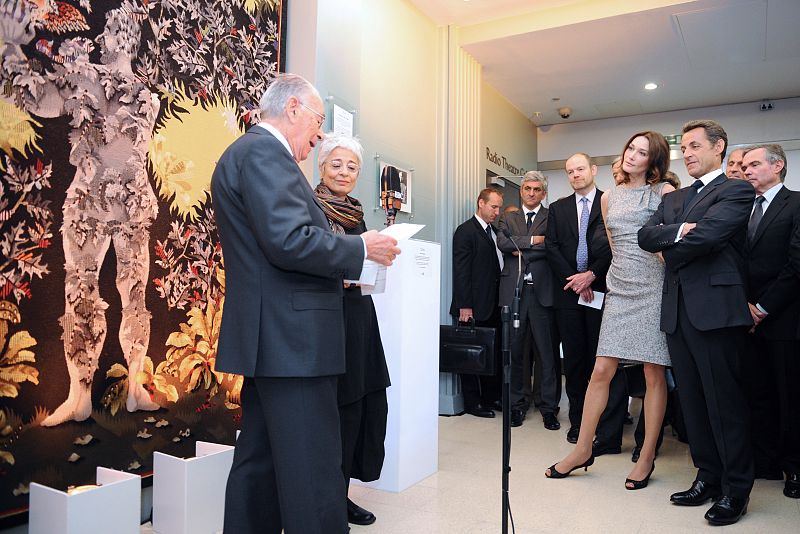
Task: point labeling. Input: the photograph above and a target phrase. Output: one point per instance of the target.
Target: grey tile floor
(464, 496)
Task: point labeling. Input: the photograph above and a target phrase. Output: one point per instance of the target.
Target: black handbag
(634, 379)
(467, 349)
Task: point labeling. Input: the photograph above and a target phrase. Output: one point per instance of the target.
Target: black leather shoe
(572, 434)
(357, 515)
(550, 421)
(497, 405)
(517, 417)
(700, 493)
(479, 410)
(792, 487)
(599, 449)
(727, 510)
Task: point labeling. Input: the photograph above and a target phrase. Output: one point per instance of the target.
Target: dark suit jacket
(476, 271)
(771, 281)
(284, 267)
(561, 244)
(534, 257)
(708, 263)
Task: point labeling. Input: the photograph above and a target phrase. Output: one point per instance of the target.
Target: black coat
(561, 243)
(366, 369)
(534, 257)
(476, 271)
(283, 298)
(707, 263)
(771, 282)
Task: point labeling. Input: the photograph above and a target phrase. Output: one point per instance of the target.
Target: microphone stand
(506, 321)
(505, 318)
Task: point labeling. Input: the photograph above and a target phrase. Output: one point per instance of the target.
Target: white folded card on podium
(189, 493)
(114, 504)
(408, 315)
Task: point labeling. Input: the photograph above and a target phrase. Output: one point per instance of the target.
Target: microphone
(517, 287)
(391, 196)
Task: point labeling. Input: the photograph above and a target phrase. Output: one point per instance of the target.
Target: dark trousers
(536, 320)
(363, 430)
(286, 471)
(772, 368)
(484, 389)
(580, 331)
(707, 374)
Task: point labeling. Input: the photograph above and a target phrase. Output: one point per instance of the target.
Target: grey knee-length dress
(631, 318)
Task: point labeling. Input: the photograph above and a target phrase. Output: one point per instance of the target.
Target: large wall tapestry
(112, 282)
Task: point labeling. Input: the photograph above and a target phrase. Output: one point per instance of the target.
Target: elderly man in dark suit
(579, 255)
(477, 263)
(527, 228)
(283, 323)
(772, 366)
(701, 231)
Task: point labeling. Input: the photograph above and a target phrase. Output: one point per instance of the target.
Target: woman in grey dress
(630, 330)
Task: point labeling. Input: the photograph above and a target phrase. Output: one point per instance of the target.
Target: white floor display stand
(408, 315)
(112, 505)
(189, 493)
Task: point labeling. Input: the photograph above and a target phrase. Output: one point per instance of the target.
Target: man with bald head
(579, 255)
(283, 326)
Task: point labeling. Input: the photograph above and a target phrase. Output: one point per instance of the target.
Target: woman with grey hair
(362, 389)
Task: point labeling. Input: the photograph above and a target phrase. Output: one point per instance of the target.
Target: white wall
(745, 124)
(399, 72)
(506, 131)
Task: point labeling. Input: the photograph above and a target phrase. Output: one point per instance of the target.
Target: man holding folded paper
(283, 326)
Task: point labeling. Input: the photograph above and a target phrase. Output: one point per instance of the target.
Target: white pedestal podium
(114, 505)
(408, 315)
(189, 493)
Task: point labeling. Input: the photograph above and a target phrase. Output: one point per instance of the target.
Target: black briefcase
(467, 349)
(634, 379)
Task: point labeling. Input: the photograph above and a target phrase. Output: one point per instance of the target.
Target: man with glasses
(283, 326)
(527, 228)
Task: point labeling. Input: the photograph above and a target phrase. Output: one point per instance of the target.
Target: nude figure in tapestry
(109, 200)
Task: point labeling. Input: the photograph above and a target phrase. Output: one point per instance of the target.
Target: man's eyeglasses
(337, 165)
(320, 120)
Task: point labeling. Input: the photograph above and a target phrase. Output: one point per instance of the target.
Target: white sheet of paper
(342, 121)
(596, 303)
(373, 275)
(402, 231)
(379, 286)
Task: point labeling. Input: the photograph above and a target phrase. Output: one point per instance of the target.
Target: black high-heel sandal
(640, 484)
(556, 474)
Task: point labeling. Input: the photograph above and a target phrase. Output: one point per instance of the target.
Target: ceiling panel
(700, 53)
(724, 35)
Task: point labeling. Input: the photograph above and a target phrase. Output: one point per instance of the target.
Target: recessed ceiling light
(651, 86)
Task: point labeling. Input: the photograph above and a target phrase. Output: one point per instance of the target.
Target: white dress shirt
(484, 224)
(589, 204)
(525, 211)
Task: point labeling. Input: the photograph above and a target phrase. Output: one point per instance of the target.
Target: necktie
(582, 254)
(692, 192)
(489, 231)
(529, 215)
(755, 217)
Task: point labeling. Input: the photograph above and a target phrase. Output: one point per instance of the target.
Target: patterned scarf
(342, 213)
